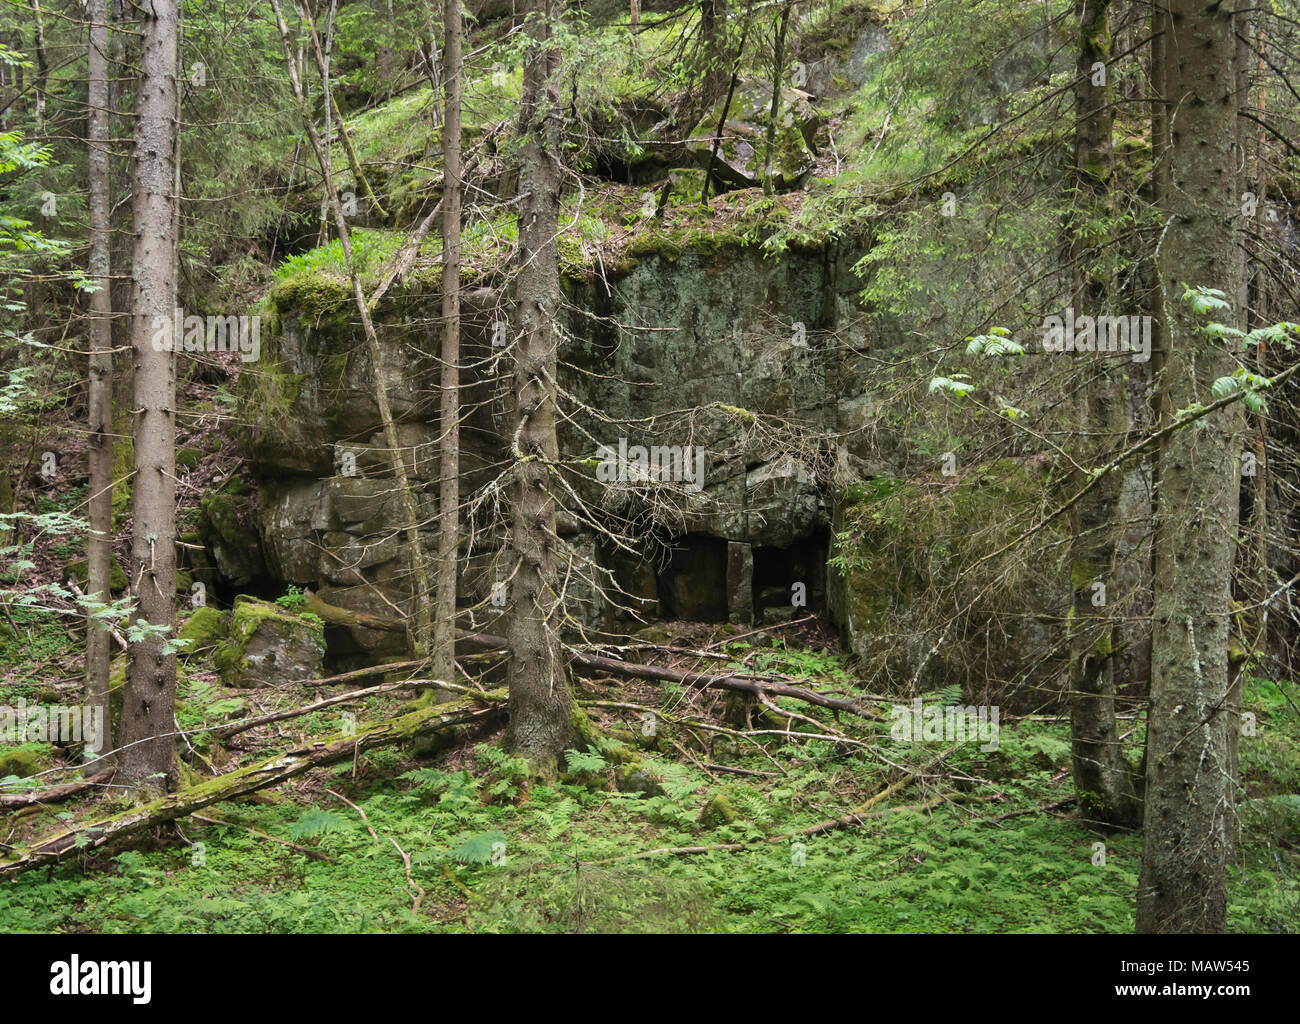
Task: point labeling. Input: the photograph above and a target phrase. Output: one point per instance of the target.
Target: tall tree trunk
(327, 112)
(1189, 793)
(99, 452)
(147, 760)
(444, 617)
(1241, 300)
(1103, 779)
(540, 702)
(123, 60)
(713, 33)
(42, 69)
(1254, 311)
(1160, 31)
(778, 70)
(410, 515)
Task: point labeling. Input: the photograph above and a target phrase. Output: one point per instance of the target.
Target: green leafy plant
(317, 822)
(293, 598)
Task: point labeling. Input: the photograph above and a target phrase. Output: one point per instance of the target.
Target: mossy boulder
(207, 627)
(269, 645)
(636, 777)
(25, 760)
(719, 810)
(897, 543)
(742, 152)
(836, 49)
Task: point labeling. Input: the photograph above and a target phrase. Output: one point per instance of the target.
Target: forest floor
(714, 840)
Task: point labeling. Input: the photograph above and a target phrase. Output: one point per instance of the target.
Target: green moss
(123, 466)
(895, 539)
(636, 777)
(835, 35)
(219, 521)
(719, 810)
(319, 298)
(318, 280)
(247, 618)
(80, 571)
(653, 243)
(25, 760)
(188, 458)
(189, 778)
(116, 692)
(1081, 574)
(584, 728)
(617, 752)
(206, 627)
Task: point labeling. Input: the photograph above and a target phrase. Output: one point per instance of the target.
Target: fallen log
(692, 680)
(615, 666)
(97, 834)
(360, 673)
(222, 732)
(337, 616)
(53, 794)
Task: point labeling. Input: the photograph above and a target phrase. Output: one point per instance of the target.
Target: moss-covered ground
(966, 847)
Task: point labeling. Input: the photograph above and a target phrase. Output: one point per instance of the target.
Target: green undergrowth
(493, 854)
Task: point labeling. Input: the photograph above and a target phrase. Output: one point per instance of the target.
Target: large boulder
(832, 59)
(269, 645)
(334, 528)
(742, 150)
(204, 629)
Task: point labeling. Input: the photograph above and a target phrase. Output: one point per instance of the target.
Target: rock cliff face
(768, 371)
(680, 352)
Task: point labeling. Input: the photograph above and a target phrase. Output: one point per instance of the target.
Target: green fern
(590, 761)
(317, 822)
(479, 849)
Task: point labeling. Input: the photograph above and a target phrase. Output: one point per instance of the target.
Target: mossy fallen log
(222, 732)
(691, 680)
(89, 836)
(336, 616)
(53, 794)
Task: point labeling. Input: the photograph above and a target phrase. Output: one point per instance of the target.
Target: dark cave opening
(693, 585)
(790, 582)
